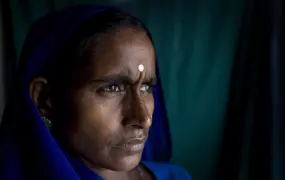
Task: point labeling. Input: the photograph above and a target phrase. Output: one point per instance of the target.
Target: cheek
(97, 109)
(92, 106)
(98, 120)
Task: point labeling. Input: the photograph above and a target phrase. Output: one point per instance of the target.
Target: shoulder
(166, 171)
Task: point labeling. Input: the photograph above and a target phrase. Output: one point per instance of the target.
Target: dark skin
(109, 103)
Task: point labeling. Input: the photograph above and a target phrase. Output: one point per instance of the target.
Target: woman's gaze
(99, 110)
(145, 88)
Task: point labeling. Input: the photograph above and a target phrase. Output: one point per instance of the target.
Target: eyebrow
(119, 79)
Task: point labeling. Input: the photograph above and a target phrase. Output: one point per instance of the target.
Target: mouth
(132, 146)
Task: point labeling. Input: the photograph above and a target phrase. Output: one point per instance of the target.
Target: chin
(127, 163)
(115, 160)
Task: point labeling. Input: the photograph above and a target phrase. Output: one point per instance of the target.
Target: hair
(74, 53)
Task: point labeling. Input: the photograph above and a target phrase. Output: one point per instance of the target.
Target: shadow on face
(108, 104)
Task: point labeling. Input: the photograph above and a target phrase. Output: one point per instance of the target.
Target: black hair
(73, 54)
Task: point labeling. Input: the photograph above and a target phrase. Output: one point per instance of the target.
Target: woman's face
(111, 102)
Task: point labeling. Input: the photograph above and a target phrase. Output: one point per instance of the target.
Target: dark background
(222, 67)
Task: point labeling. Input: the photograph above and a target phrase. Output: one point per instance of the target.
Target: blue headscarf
(27, 149)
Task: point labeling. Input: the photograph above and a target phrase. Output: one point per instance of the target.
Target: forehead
(121, 52)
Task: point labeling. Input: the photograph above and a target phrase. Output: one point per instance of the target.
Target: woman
(85, 102)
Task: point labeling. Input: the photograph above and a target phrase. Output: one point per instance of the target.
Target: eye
(145, 88)
(114, 88)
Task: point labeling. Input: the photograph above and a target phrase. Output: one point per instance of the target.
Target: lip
(133, 146)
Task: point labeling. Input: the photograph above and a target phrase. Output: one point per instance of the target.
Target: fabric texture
(27, 149)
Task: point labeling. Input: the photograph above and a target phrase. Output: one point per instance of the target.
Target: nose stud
(141, 68)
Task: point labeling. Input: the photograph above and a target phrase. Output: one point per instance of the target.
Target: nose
(137, 114)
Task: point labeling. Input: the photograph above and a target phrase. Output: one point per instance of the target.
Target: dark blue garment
(27, 149)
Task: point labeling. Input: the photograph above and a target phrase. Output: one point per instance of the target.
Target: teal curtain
(195, 44)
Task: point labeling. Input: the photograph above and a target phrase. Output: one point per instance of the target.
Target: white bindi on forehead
(141, 68)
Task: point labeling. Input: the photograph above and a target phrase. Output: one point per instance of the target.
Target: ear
(40, 94)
